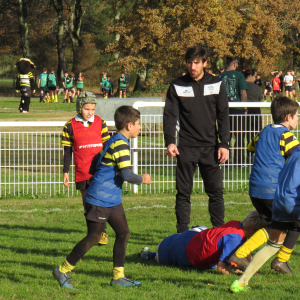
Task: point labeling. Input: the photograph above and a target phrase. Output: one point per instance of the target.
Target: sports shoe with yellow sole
(236, 288)
(103, 239)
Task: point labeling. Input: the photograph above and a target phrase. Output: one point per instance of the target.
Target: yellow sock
(257, 239)
(284, 254)
(55, 98)
(118, 272)
(52, 98)
(66, 267)
(124, 96)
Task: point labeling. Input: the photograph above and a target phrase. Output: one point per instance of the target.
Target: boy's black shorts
(123, 89)
(101, 214)
(269, 89)
(263, 207)
(52, 88)
(81, 185)
(288, 88)
(294, 225)
(108, 92)
(80, 90)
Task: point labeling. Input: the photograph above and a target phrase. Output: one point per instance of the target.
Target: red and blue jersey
(208, 247)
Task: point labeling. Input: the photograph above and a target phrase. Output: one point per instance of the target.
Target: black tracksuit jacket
(199, 105)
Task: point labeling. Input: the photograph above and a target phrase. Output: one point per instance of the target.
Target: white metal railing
(31, 162)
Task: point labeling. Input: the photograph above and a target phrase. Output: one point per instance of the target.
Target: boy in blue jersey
(272, 146)
(285, 218)
(205, 248)
(103, 199)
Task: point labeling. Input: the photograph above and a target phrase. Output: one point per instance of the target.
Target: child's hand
(66, 180)
(146, 179)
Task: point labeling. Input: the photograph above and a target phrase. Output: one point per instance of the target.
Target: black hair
(230, 60)
(196, 52)
(282, 106)
(125, 114)
(249, 72)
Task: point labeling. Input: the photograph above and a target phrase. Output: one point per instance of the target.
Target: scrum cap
(85, 98)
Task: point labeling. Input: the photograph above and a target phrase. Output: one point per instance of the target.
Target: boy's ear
(128, 126)
(288, 117)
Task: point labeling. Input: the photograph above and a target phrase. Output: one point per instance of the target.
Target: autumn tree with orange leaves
(154, 35)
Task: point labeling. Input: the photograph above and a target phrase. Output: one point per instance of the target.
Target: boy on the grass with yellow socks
(103, 201)
(272, 146)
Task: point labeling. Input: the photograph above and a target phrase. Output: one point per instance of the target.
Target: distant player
(52, 85)
(267, 90)
(109, 87)
(42, 84)
(102, 81)
(276, 84)
(67, 82)
(288, 80)
(206, 248)
(80, 83)
(122, 85)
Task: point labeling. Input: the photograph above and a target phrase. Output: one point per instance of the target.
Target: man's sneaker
(237, 262)
(144, 253)
(236, 288)
(282, 267)
(125, 282)
(103, 239)
(64, 279)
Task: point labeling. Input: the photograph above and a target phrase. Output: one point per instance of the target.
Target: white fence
(32, 161)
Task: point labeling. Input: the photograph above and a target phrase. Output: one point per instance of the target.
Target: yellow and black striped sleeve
(288, 143)
(252, 144)
(67, 138)
(104, 132)
(117, 154)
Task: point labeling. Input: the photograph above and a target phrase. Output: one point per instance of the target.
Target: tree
(158, 32)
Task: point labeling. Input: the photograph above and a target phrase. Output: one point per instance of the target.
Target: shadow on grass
(40, 228)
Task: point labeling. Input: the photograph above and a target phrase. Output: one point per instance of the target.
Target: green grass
(9, 111)
(36, 235)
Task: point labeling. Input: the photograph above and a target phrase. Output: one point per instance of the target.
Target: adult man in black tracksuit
(200, 99)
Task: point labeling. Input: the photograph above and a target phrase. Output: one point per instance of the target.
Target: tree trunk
(23, 27)
(75, 20)
(117, 34)
(141, 79)
(60, 37)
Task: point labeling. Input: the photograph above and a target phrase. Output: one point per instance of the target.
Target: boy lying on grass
(204, 248)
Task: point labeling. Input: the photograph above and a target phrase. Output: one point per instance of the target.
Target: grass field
(36, 236)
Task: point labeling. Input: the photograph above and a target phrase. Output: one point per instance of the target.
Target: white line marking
(128, 208)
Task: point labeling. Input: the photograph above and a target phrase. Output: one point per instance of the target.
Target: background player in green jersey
(80, 83)
(52, 85)
(122, 85)
(43, 84)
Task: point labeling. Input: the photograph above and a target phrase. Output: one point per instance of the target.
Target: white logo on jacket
(184, 91)
(212, 89)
